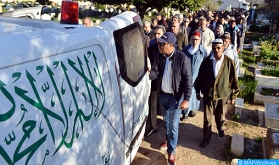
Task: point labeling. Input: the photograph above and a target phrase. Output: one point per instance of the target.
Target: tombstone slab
(239, 106)
(272, 139)
(237, 146)
(271, 115)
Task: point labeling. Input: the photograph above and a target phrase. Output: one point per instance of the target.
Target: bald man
(182, 38)
(87, 22)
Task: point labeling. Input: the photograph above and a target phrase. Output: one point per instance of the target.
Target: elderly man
(152, 101)
(216, 81)
(196, 53)
(230, 51)
(207, 36)
(147, 30)
(182, 38)
(180, 17)
(175, 19)
(219, 31)
(154, 23)
(174, 81)
(87, 22)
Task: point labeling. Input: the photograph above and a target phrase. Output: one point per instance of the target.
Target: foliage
(247, 135)
(211, 5)
(220, 3)
(271, 63)
(266, 38)
(259, 139)
(255, 28)
(100, 6)
(43, 2)
(270, 9)
(266, 92)
(236, 117)
(247, 59)
(256, 37)
(270, 72)
(247, 93)
(143, 5)
(269, 50)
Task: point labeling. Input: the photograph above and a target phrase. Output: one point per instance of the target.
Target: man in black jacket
(172, 68)
(153, 97)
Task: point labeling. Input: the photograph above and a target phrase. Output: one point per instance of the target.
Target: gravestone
(237, 146)
(239, 106)
(272, 140)
(271, 115)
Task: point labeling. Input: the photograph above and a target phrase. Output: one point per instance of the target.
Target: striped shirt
(167, 79)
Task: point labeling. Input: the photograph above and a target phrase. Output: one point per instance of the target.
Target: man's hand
(198, 96)
(233, 101)
(184, 105)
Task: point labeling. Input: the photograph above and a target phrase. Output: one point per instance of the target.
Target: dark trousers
(219, 109)
(152, 101)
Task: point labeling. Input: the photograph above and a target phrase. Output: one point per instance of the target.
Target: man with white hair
(87, 22)
(207, 36)
(180, 17)
(147, 30)
(216, 81)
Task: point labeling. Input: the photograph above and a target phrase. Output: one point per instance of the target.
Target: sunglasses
(162, 43)
(218, 48)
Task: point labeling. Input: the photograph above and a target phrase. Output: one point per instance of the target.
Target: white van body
(63, 98)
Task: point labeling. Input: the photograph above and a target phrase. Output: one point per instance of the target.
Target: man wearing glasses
(184, 28)
(216, 81)
(172, 68)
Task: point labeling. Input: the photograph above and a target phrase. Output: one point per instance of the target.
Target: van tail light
(69, 12)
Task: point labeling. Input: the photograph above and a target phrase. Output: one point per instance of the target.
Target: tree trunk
(141, 11)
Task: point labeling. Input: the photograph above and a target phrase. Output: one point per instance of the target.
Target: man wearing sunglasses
(172, 68)
(216, 81)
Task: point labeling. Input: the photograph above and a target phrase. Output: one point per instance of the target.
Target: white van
(72, 95)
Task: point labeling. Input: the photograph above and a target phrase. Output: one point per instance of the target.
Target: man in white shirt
(216, 81)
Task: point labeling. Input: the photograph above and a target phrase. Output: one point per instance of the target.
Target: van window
(130, 53)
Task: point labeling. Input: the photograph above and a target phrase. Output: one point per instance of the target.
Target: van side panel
(61, 110)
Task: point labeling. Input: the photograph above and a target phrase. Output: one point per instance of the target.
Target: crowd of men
(193, 56)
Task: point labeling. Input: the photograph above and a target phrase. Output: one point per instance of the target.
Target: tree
(211, 5)
(270, 9)
(143, 5)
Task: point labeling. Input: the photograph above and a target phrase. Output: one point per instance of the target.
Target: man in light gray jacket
(207, 36)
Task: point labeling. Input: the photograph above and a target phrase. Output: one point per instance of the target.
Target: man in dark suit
(147, 30)
(182, 38)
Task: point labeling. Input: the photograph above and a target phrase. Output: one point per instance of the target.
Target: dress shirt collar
(170, 55)
(213, 58)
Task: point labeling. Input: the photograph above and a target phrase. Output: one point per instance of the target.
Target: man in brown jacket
(217, 81)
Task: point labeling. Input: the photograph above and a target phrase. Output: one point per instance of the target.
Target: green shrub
(247, 59)
(247, 93)
(269, 50)
(270, 72)
(236, 117)
(255, 28)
